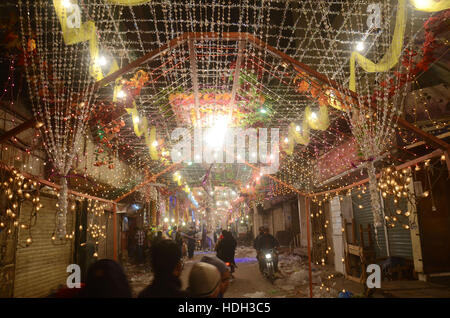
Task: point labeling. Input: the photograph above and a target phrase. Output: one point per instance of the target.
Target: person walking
(167, 266)
(191, 241)
(176, 236)
(226, 248)
(140, 242)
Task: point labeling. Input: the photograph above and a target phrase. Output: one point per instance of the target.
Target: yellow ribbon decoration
(297, 137)
(140, 127)
(86, 32)
(391, 57)
(320, 121)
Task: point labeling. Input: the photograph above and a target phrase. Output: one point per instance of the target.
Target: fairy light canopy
(189, 63)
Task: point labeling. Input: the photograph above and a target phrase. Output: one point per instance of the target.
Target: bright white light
(268, 256)
(297, 128)
(422, 4)
(184, 223)
(313, 116)
(254, 154)
(248, 186)
(155, 143)
(66, 3)
(286, 140)
(136, 120)
(121, 94)
(102, 61)
(166, 220)
(263, 111)
(360, 46)
(173, 220)
(216, 134)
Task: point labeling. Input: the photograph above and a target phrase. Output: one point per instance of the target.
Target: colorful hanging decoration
(246, 112)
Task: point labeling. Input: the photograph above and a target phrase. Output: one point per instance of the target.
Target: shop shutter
(41, 267)
(364, 216)
(399, 237)
(278, 220)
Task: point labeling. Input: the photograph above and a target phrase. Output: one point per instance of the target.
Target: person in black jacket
(265, 241)
(226, 248)
(191, 241)
(167, 266)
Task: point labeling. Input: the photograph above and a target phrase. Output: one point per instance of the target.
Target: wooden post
(361, 236)
(308, 233)
(353, 232)
(115, 245)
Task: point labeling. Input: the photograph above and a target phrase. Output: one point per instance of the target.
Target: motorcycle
(267, 264)
(231, 267)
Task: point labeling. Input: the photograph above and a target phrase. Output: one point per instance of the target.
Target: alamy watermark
(74, 279)
(227, 145)
(374, 279)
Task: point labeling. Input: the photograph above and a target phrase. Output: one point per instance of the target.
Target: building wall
(41, 267)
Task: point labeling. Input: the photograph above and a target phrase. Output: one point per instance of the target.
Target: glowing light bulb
(102, 61)
(121, 94)
(314, 116)
(286, 140)
(136, 119)
(297, 128)
(422, 4)
(66, 3)
(360, 46)
(155, 143)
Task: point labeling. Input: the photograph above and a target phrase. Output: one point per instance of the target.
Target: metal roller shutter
(42, 266)
(399, 237)
(364, 216)
(278, 220)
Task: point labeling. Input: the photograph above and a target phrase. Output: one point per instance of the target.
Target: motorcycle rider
(226, 248)
(263, 242)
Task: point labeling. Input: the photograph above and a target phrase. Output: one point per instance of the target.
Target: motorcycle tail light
(228, 264)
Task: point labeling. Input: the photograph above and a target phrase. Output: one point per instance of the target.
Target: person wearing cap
(225, 274)
(204, 281)
(167, 265)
